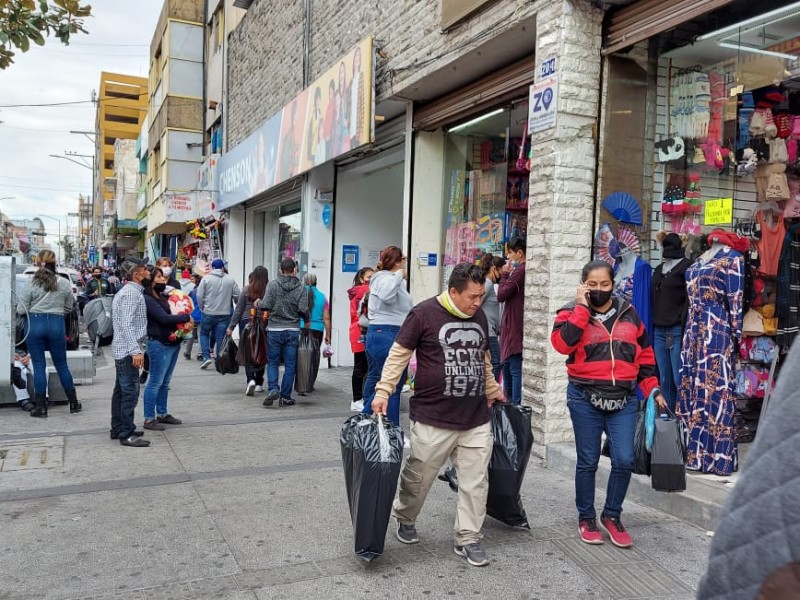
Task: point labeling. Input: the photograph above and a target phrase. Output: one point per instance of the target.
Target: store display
(624, 208)
(632, 276)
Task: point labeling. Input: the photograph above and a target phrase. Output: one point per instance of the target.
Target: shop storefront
(700, 130)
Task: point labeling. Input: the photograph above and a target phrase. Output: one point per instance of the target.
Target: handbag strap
(42, 299)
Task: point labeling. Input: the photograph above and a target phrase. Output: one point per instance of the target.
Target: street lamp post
(58, 241)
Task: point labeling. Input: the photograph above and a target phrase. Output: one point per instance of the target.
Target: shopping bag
(372, 451)
(513, 441)
(641, 455)
(668, 460)
(256, 343)
(307, 350)
(226, 361)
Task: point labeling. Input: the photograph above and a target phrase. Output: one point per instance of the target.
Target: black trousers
(360, 369)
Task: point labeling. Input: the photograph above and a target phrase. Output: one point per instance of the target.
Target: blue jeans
(588, 423)
(250, 373)
(218, 324)
(379, 341)
(162, 363)
(124, 398)
(282, 345)
(512, 379)
(48, 332)
(667, 348)
(494, 352)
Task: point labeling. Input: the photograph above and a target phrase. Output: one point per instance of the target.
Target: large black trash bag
(372, 451)
(513, 441)
(226, 361)
(307, 350)
(641, 456)
(668, 462)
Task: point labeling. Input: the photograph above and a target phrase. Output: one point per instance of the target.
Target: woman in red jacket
(360, 367)
(608, 356)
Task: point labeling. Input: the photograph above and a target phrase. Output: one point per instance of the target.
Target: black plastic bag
(513, 441)
(641, 457)
(226, 361)
(372, 451)
(307, 350)
(668, 461)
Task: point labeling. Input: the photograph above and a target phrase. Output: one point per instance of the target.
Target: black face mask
(144, 281)
(160, 287)
(97, 275)
(599, 298)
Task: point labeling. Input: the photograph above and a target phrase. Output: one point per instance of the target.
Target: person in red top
(511, 291)
(357, 337)
(609, 354)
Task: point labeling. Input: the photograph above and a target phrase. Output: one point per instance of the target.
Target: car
(72, 318)
(71, 275)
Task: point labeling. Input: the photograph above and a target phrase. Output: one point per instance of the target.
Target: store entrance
(368, 217)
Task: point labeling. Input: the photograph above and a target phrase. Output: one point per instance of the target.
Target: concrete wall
(126, 171)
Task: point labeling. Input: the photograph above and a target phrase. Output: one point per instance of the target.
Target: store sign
(548, 68)
(206, 188)
(332, 117)
(179, 207)
(718, 212)
(543, 102)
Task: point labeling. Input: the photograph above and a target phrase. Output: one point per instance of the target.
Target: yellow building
(121, 108)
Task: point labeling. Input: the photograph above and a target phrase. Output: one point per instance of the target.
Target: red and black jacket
(622, 357)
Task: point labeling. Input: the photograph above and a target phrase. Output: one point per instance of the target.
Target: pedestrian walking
(492, 266)
(114, 280)
(168, 269)
(609, 354)
(285, 301)
(358, 336)
(197, 317)
(129, 314)
(47, 299)
(98, 285)
(319, 320)
(388, 306)
(450, 410)
(251, 293)
(163, 347)
(216, 296)
(511, 291)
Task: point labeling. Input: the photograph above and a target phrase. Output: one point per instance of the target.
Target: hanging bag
(226, 361)
(668, 460)
(257, 341)
(307, 349)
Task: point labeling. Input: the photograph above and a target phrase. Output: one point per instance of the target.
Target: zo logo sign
(543, 105)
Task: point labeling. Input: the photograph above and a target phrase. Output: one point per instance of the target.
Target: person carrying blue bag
(609, 356)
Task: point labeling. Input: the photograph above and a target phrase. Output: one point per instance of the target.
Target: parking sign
(543, 103)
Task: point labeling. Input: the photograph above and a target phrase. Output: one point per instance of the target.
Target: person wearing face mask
(163, 347)
(609, 355)
(97, 286)
(492, 266)
(511, 291)
(168, 269)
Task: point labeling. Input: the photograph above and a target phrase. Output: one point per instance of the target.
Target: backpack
(363, 312)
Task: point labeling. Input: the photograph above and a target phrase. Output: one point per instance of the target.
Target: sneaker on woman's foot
(250, 389)
(616, 531)
(357, 405)
(259, 389)
(590, 534)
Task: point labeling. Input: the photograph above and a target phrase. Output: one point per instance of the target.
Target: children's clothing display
(706, 400)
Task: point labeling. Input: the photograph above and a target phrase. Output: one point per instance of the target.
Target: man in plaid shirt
(129, 315)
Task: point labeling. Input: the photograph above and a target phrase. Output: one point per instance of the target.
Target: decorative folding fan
(627, 238)
(606, 245)
(624, 208)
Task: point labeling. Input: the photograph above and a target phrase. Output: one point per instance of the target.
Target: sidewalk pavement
(249, 502)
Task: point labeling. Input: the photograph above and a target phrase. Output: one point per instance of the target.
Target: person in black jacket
(163, 347)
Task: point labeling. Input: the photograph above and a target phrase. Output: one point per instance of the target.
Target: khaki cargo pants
(469, 452)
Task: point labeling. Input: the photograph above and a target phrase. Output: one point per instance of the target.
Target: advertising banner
(331, 117)
(179, 207)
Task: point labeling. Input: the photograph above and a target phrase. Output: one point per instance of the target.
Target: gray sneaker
(271, 397)
(473, 553)
(407, 533)
(206, 363)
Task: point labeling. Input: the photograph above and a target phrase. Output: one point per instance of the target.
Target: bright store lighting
(475, 120)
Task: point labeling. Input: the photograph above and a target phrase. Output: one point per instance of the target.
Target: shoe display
(169, 420)
(407, 533)
(259, 389)
(154, 425)
(474, 554)
(589, 532)
(616, 531)
(134, 442)
(286, 402)
(271, 397)
(206, 363)
(250, 389)
(357, 405)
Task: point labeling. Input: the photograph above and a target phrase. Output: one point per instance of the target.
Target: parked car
(72, 318)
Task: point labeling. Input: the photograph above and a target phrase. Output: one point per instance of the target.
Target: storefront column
(560, 206)
(238, 252)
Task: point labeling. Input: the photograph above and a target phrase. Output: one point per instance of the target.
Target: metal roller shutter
(647, 18)
(291, 191)
(502, 86)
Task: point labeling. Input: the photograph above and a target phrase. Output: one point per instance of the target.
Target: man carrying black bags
(450, 411)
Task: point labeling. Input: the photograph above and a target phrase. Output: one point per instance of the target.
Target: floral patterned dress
(706, 399)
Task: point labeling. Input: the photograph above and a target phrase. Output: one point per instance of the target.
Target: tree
(68, 246)
(26, 21)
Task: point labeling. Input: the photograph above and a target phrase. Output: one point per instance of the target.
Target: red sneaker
(616, 531)
(590, 534)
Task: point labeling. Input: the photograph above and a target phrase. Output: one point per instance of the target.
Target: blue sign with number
(549, 67)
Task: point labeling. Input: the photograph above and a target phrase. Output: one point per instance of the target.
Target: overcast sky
(118, 41)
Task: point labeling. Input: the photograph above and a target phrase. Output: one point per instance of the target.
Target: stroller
(99, 326)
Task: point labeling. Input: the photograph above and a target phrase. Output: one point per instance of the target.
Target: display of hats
(753, 324)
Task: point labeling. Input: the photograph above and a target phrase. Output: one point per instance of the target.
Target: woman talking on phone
(608, 356)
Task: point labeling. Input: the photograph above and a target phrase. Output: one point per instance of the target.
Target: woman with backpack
(358, 307)
(254, 290)
(389, 305)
